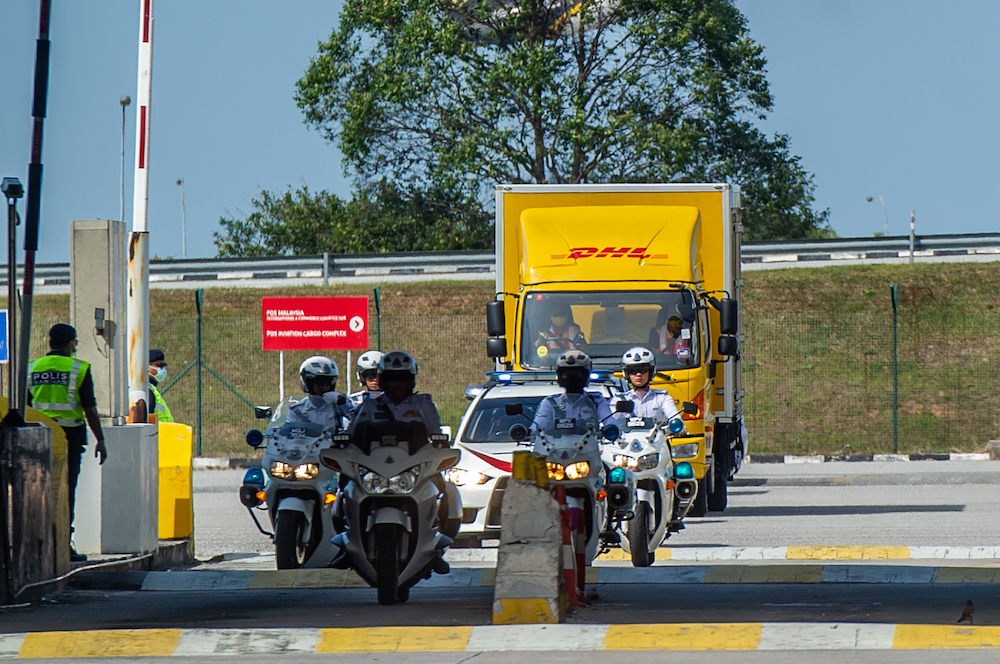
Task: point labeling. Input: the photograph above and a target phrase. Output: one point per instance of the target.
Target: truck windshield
(606, 324)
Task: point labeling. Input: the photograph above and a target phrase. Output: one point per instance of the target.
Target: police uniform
(61, 387)
(326, 410)
(358, 397)
(414, 408)
(591, 408)
(657, 404)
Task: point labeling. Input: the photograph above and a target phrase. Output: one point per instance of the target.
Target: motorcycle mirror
(624, 406)
(517, 432)
(513, 409)
(611, 432)
(262, 412)
(689, 408)
(254, 438)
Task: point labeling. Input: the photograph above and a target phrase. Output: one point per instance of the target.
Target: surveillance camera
(11, 188)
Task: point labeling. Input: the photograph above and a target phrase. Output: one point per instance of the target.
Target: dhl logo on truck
(607, 252)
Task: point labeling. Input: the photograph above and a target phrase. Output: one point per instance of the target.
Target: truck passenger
(573, 375)
(563, 333)
(639, 367)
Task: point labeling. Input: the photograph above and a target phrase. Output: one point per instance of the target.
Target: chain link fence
(815, 384)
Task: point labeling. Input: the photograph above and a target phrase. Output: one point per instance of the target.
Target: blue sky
(880, 97)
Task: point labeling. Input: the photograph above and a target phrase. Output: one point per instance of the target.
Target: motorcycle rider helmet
(640, 358)
(572, 369)
(397, 364)
(367, 362)
(317, 367)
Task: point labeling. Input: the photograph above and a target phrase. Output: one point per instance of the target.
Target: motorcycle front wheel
(387, 563)
(289, 549)
(638, 537)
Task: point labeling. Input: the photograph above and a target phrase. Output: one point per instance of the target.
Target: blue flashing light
(684, 471)
(594, 375)
(617, 476)
(254, 476)
(504, 377)
(676, 425)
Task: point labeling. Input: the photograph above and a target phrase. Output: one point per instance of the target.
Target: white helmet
(638, 355)
(397, 360)
(369, 360)
(314, 367)
(572, 359)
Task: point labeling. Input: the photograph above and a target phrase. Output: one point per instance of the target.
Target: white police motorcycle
(662, 498)
(391, 503)
(295, 489)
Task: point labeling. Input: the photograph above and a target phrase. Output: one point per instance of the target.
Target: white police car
(485, 465)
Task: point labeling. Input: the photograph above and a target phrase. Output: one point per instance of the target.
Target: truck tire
(638, 537)
(386, 563)
(289, 550)
(718, 499)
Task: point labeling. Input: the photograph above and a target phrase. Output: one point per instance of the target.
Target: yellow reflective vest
(54, 381)
(161, 409)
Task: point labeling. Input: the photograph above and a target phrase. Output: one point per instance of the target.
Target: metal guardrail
(338, 266)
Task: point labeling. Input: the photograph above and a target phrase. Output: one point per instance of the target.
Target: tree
(463, 94)
(378, 218)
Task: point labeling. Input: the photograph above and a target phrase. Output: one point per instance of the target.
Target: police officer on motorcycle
(367, 377)
(397, 377)
(323, 405)
(573, 375)
(639, 367)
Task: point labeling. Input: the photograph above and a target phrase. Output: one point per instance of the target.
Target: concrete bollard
(993, 447)
(529, 583)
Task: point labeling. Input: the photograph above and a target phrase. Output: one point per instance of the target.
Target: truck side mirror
(728, 346)
(729, 316)
(496, 323)
(496, 347)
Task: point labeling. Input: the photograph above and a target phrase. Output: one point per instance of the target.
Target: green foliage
(378, 218)
(468, 93)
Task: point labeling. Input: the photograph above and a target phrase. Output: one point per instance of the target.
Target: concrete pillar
(97, 282)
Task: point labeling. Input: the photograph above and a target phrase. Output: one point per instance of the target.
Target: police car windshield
(489, 422)
(605, 324)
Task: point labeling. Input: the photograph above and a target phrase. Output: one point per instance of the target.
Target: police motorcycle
(662, 496)
(391, 503)
(293, 487)
(572, 451)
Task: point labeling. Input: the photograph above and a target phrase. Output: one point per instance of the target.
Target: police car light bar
(537, 376)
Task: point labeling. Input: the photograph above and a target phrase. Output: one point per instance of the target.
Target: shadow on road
(837, 510)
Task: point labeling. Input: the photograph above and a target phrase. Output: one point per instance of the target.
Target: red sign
(315, 323)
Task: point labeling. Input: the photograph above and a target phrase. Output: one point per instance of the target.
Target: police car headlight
(685, 451)
(622, 461)
(648, 461)
(578, 470)
(405, 481)
(281, 470)
(374, 483)
(306, 471)
(462, 477)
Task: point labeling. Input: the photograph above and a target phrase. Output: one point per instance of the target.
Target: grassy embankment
(817, 357)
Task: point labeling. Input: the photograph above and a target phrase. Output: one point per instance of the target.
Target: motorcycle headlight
(622, 461)
(281, 470)
(374, 483)
(648, 461)
(405, 481)
(685, 451)
(556, 471)
(306, 471)
(462, 477)
(578, 470)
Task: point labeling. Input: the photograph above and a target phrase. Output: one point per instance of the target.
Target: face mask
(161, 374)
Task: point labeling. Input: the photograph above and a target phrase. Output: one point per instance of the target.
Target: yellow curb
(846, 552)
(393, 639)
(734, 636)
(967, 575)
(524, 611)
(101, 643)
(937, 637)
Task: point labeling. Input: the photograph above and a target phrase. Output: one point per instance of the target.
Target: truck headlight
(685, 451)
(281, 470)
(648, 461)
(463, 477)
(306, 471)
(623, 461)
(578, 470)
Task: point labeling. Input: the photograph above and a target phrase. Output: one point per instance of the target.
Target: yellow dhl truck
(608, 267)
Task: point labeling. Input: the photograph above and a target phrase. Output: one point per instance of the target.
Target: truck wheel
(700, 505)
(638, 537)
(289, 550)
(719, 498)
(386, 563)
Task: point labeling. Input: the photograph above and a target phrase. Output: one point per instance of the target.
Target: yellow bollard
(176, 507)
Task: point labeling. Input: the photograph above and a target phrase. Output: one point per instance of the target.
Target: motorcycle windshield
(281, 411)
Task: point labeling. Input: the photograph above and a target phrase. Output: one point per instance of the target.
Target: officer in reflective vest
(61, 386)
(158, 374)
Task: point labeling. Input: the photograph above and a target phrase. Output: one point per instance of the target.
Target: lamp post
(184, 232)
(885, 215)
(124, 101)
(12, 190)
